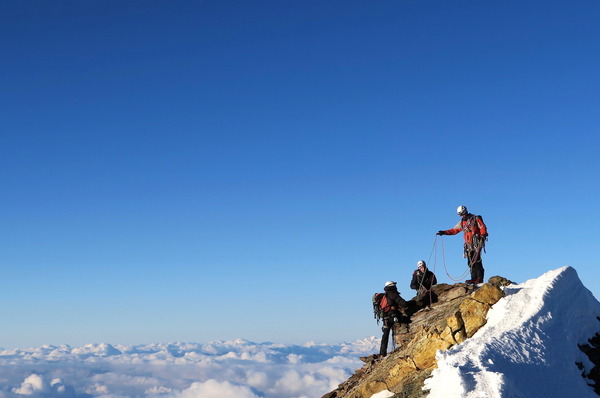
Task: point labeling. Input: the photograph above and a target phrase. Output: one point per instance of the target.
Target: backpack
(380, 306)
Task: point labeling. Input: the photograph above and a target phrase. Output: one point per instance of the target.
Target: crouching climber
(422, 281)
(391, 305)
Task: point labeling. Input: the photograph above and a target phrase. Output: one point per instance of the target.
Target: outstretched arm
(452, 231)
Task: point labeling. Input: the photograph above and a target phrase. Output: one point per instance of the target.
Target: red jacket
(472, 225)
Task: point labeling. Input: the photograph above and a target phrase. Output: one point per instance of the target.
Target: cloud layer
(240, 369)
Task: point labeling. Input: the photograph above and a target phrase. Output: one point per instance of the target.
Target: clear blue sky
(200, 170)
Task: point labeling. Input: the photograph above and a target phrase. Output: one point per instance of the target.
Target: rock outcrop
(459, 312)
(592, 350)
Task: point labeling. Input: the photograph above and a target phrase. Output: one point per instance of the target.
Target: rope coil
(444, 261)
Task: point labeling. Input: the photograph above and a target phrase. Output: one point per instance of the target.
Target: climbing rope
(429, 289)
(444, 261)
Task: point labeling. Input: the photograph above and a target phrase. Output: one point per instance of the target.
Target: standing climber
(475, 234)
(422, 281)
(391, 315)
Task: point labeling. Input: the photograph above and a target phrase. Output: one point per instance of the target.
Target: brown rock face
(456, 316)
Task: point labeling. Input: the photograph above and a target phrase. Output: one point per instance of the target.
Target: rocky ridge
(459, 312)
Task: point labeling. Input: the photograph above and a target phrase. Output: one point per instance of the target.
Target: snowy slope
(528, 348)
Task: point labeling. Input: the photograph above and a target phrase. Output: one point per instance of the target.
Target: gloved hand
(396, 320)
(441, 233)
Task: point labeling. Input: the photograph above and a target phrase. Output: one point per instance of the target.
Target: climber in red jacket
(475, 234)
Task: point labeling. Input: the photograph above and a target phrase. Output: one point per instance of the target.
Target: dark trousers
(476, 265)
(425, 298)
(385, 339)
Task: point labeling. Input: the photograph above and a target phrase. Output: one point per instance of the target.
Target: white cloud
(157, 390)
(258, 380)
(215, 389)
(294, 358)
(36, 385)
(305, 383)
(31, 385)
(177, 370)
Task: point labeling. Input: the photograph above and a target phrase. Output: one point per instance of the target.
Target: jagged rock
(500, 281)
(474, 309)
(451, 292)
(592, 350)
(455, 322)
(456, 315)
(473, 313)
(425, 347)
(488, 294)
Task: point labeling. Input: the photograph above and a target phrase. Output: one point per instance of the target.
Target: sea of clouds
(224, 369)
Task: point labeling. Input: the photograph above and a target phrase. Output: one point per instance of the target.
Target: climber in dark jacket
(422, 281)
(391, 316)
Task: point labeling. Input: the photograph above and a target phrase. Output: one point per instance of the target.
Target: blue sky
(192, 171)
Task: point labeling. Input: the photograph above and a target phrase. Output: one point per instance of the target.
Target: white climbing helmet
(390, 283)
(461, 210)
(421, 263)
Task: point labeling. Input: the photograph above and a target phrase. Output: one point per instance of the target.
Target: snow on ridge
(528, 346)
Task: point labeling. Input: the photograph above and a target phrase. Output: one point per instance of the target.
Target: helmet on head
(421, 263)
(461, 211)
(390, 283)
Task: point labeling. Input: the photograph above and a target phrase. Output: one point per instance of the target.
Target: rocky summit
(458, 313)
